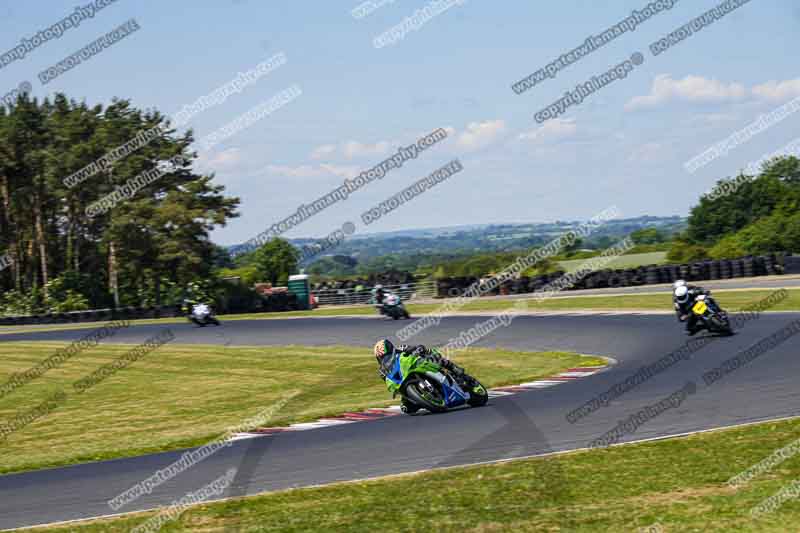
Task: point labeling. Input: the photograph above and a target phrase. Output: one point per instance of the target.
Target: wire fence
(406, 291)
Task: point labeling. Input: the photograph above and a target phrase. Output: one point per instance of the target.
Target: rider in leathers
(684, 297)
(385, 353)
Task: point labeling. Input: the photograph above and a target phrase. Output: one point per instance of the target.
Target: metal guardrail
(406, 291)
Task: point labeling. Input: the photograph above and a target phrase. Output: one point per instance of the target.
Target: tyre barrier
(695, 273)
(653, 276)
(771, 265)
(748, 267)
(791, 265)
(736, 268)
(724, 269)
(714, 271)
(644, 275)
(665, 273)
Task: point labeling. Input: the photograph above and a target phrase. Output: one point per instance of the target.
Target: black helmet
(382, 348)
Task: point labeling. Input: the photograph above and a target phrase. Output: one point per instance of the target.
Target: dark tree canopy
(135, 252)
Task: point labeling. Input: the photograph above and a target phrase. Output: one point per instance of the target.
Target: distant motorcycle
(711, 316)
(202, 316)
(393, 307)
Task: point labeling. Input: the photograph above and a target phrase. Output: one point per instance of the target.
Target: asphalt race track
(516, 426)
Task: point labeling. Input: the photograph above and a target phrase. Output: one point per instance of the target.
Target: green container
(300, 286)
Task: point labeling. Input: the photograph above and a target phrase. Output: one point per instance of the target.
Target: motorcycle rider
(385, 352)
(684, 297)
(195, 294)
(378, 295)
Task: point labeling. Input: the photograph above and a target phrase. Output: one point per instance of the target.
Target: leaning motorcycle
(393, 307)
(427, 385)
(202, 316)
(711, 316)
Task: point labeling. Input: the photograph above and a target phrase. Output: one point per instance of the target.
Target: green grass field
(624, 261)
(181, 396)
(677, 484)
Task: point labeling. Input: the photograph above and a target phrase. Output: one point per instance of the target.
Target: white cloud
(302, 171)
(777, 91)
(313, 171)
(211, 161)
(695, 89)
(322, 151)
(352, 149)
(557, 129)
(480, 134)
(343, 171)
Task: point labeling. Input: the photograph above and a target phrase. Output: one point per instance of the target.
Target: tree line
(745, 215)
(143, 251)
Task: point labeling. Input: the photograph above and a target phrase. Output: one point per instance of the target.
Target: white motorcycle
(202, 316)
(393, 307)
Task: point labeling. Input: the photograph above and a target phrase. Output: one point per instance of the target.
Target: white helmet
(682, 294)
(679, 283)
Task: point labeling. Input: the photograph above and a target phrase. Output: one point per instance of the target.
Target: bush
(16, 303)
(63, 295)
(683, 252)
(729, 247)
(775, 233)
(248, 274)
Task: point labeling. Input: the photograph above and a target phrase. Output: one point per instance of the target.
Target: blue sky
(625, 145)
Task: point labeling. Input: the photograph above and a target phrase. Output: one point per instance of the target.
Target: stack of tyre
(791, 264)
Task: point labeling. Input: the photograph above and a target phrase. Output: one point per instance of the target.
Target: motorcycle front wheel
(722, 325)
(478, 395)
(426, 395)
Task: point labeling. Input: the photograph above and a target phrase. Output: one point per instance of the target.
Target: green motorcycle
(424, 384)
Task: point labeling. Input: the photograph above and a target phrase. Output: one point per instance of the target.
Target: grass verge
(180, 396)
(678, 484)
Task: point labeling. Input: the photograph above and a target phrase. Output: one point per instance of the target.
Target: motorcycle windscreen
(395, 374)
